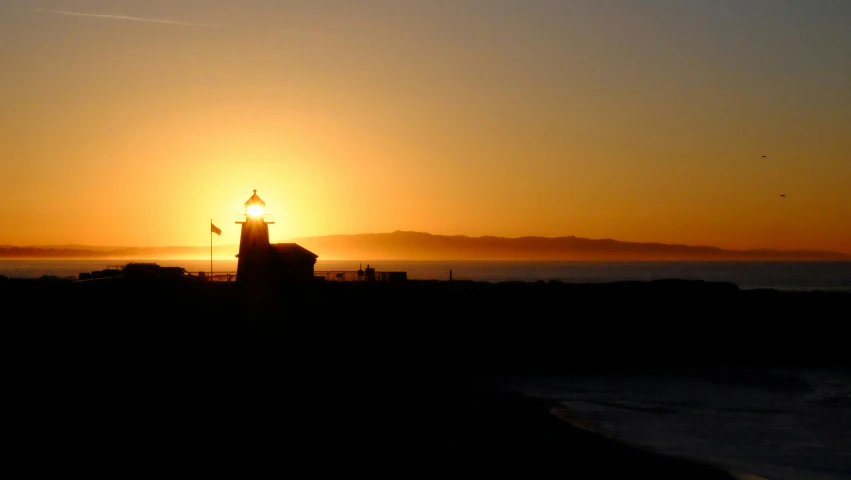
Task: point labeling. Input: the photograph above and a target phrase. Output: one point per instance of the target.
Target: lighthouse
(253, 256)
(261, 262)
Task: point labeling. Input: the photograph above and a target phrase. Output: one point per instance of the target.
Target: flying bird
(763, 156)
(783, 195)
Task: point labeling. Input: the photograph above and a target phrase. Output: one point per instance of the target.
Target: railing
(242, 218)
(215, 276)
(338, 276)
(352, 276)
(328, 275)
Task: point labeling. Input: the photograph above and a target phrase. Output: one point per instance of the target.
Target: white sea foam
(778, 426)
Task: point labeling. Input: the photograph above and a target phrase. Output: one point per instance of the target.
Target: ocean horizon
(778, 275)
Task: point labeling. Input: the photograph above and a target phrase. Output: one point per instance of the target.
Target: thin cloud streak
(300, 34)
(123, 17)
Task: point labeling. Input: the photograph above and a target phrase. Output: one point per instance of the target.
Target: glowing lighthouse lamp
(255, 210)
(254, 241)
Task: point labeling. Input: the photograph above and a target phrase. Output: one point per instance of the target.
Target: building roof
(292, 249)
(255, 200)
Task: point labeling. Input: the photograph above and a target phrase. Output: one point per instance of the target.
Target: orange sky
(639, 121)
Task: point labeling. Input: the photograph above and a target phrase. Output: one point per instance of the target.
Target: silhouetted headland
(478, 325)
(384, 379)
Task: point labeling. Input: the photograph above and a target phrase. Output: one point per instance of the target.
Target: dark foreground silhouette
(374, 380)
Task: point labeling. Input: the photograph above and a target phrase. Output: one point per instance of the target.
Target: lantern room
(255, 210)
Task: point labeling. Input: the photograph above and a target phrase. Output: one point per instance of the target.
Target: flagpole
(211, 249)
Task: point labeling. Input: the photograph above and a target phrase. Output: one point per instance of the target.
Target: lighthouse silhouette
(261, 262)
(253, 264)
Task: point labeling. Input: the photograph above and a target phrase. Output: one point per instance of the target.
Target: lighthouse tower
(253, 265)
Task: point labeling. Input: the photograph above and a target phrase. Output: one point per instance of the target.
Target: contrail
(123, 17)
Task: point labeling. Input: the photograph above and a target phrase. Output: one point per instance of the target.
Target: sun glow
(255, 211)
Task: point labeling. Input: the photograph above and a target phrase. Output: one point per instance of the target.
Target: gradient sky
(634, 120)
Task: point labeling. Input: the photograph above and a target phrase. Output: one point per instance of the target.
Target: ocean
(778, 425)
(833, 276)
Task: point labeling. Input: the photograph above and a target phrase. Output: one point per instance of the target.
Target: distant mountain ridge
(424, 246)
(402, 245)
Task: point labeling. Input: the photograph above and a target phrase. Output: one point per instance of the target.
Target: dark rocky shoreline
(477, 326)
(380, 380)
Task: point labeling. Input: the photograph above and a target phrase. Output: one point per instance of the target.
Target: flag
(215, 229)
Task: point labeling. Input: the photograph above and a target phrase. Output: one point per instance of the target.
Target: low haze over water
(779, 275)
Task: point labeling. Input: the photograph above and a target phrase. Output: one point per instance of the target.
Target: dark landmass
(509, 325)
(377, 380)
(423, 246)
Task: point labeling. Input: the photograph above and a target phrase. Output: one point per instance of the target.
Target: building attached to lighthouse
(261, 262)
